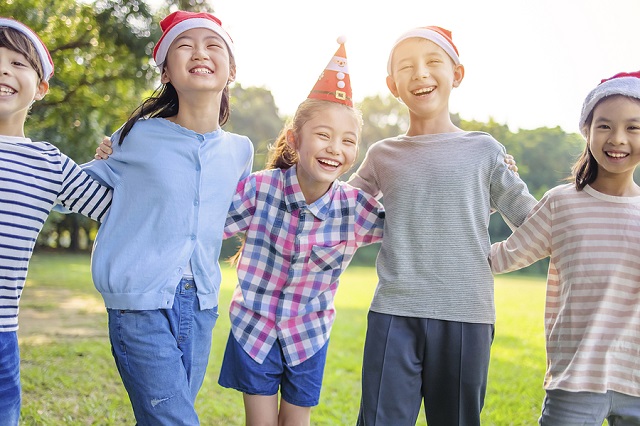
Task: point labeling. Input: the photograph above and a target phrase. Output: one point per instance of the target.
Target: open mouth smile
(423, 91)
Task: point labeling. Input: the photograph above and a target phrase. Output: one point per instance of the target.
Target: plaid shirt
(292, 259)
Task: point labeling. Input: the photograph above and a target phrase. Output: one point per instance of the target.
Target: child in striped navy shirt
(34, 177)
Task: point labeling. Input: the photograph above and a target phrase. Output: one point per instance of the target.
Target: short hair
(16, 41)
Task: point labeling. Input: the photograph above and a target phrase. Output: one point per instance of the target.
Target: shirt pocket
(326, 258)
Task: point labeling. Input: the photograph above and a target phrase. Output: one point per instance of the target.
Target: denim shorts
(9, 379)
(299, 385)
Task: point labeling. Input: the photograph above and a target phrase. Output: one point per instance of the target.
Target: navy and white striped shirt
(34, 176)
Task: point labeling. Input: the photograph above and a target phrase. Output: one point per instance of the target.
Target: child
(430, 325)
(34, 177)
(302, 227)
(590, 230)
(155, 261)
(282, 310)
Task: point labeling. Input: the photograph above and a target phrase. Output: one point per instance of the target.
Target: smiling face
(614, 138)
(198, 60)
(422, 76)
(19, 87)
(327, 146)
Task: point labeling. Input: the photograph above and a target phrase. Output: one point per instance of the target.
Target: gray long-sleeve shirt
(438, 192)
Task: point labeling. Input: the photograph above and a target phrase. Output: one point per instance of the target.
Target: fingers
(511, 163)
(104, 150)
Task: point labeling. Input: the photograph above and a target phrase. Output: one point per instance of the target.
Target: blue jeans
(162, 357)
(9, 379)
(562, 408)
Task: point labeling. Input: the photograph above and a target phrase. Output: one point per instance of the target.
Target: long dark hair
(585, 170)
(163, 103)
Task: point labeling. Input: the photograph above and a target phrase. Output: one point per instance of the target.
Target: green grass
(69, 377)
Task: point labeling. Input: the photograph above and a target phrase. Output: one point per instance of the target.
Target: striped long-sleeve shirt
(34, 176)
(592, 313)
(438, 192)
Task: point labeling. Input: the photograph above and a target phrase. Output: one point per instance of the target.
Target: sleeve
(365, 177)
(509, 194)
(528, 243)
(249, 164)
(108, 171)
(243, 206)
(369, 222)
(80, 193)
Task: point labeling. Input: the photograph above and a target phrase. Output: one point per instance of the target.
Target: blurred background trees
(101, 51)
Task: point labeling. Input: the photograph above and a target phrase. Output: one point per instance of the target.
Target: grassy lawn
(69, 377)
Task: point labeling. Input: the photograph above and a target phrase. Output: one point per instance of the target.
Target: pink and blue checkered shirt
(292, 259)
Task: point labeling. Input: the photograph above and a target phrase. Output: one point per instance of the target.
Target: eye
(603, 127)
(19, 63)
(350, 141)
(323, 135)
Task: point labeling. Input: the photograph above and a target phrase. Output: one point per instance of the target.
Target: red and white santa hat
(334, 84)
(438, 35)
(43, 52)
(180, 21)
(624, 83)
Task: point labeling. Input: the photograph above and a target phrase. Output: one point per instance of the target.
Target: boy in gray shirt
(430, 324)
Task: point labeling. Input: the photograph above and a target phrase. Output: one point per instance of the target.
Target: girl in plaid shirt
(302, 227)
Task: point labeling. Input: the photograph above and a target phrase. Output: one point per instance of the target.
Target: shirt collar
(294, 199)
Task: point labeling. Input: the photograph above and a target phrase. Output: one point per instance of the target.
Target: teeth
(7, 90)
(330, 163)
(424, 91)
(616, 154)
(201, 71)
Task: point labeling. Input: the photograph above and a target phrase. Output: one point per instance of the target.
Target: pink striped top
(592, 313)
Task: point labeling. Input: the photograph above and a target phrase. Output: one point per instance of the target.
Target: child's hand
(511, 162)
(103, 151)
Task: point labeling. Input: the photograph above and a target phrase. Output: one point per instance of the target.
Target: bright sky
(529, 63)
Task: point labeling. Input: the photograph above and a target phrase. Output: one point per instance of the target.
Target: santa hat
(334, 84)
(438, 35)
(624, 83)
(180, 21)
(43, 52)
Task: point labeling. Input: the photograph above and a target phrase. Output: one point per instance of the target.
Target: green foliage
(254, 114)
(101, 58)
(69, 377)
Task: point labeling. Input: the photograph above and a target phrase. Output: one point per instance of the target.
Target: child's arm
(527, 244)
(243, 207)
(509, 194)
(82, 194)
(369, 219)
(365, 178)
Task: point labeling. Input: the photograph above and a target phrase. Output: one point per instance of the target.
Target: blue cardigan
(172, 188)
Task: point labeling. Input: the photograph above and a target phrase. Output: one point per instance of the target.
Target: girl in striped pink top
(590, 229)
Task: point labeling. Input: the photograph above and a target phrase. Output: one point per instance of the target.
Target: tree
(254, 113)
(101, 56)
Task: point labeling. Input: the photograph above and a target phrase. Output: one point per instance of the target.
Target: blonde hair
(281, 155)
